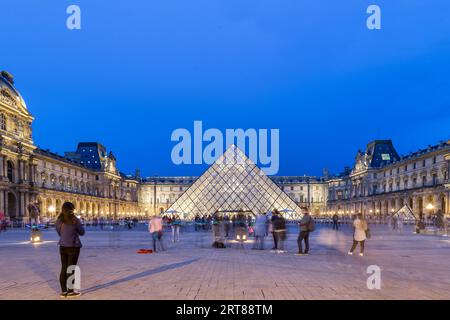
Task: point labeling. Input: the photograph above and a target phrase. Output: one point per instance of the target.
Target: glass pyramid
(232, 184)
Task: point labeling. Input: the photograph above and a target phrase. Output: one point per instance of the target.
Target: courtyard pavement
(412, 267)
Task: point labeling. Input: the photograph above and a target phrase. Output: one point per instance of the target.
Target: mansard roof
(381, 153)
(58, 157)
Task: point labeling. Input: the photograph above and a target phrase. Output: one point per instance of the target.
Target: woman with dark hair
(69, 229)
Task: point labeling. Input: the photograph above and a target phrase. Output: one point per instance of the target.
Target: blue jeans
(157, 237)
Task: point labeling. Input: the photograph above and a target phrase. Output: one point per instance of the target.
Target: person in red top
(2, 222)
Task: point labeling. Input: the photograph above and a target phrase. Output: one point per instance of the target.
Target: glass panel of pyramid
(234, 183)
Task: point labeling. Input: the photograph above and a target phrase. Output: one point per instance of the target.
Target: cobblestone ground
(412, 267)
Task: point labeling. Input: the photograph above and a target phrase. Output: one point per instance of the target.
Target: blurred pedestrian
(176, 225)
(306, 226)
(155, 228)
(241, 229)
(335, 222)
(360, 227)
(271, 230)
(400, 224)
(279, 229)
(226, 224)
(34, 213)
(2, 222)
(260, 230)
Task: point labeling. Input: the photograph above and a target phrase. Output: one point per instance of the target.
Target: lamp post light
(430, 208)
(51, 210)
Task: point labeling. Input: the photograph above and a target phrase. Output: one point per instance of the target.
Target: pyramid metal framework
(234, 183)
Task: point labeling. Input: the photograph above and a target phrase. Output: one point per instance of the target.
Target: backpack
(311, 225)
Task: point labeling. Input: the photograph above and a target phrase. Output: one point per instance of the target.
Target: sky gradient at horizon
(140, 69)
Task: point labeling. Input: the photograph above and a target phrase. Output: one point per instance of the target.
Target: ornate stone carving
(7, 98)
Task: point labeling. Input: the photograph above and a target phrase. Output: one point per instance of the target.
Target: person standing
(217, 228)
(241, 229)
(226, 224)
(420, 225)
(305, 226)
(440, 220)
(279, 230)
(360, 227)
(34, 212)
(69, 229)
(335, 222)
(155, 228)
(260, 231)
(400, 224)
(271, 229)
(176, 225)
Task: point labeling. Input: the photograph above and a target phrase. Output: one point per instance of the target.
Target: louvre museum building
(380, 182)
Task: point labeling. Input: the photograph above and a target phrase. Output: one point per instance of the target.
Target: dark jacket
(70, 233)
(304, 223)
(279, 223)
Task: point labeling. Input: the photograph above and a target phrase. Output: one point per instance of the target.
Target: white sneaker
(361, 254)
(350, 253)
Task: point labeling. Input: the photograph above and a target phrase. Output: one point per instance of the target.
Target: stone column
(5, 193)
(2, 167)
(447, 203)
(20, 171)
(2, 200)
(31, 172)
(22, 207)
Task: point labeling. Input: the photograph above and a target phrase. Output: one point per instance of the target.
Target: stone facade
(29, 175)
(378, 188)
(380, 182)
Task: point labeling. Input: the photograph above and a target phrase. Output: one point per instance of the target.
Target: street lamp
(52, 210)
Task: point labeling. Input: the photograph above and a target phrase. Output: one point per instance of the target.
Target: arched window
(2, 121)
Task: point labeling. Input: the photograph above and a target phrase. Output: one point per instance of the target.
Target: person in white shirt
(155, 227)
(360, 227)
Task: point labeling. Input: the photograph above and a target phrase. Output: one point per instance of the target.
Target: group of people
(156, 227)
(276, 225)
(69, 228)
(265, 224)
(395, 223)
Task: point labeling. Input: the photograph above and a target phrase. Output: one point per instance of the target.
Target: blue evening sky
(139, 69)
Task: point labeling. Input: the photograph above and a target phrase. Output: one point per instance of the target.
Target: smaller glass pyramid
(232, 184)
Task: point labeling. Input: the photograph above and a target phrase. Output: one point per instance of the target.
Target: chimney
(138, 174)
(326, 174)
